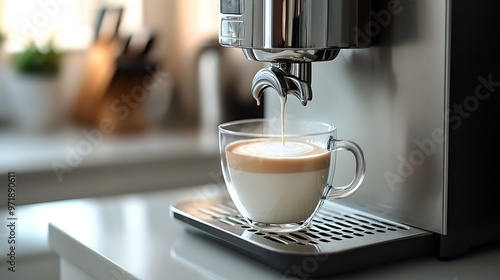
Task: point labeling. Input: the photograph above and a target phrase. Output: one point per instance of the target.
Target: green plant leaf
(34, 61)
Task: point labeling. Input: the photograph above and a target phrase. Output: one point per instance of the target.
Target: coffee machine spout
(282, 82)
(291, 34)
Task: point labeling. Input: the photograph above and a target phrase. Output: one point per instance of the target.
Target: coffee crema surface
(272, 156)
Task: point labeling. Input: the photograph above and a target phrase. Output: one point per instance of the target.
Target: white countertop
(133, 236)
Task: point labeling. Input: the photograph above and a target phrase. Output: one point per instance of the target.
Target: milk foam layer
(271, 156)
(275, 149)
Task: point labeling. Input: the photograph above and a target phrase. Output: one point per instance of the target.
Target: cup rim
(222, 129)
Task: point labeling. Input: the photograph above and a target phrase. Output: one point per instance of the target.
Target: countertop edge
(88, 260)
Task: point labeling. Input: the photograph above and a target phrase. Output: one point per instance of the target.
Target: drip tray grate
(329, 226)
(336, 228)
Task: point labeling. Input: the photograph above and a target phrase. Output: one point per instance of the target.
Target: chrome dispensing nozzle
(285, 78)
(291, 34)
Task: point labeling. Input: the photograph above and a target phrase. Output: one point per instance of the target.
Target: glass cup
(279, 183)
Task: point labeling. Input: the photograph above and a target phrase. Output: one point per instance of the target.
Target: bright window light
(70, 24)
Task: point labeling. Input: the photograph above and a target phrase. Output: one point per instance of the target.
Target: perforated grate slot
(329, 226)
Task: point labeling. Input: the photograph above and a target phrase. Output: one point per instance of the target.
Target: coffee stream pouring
(291, 34)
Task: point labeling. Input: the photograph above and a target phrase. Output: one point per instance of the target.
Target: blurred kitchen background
(100, 97)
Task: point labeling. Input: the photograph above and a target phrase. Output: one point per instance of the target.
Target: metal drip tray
(340, 238)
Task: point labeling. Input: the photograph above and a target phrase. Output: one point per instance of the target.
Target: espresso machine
(415, 84)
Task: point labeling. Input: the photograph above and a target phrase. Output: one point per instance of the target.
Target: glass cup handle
(346, 190)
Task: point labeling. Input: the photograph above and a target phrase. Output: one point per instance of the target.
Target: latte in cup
(277, 183)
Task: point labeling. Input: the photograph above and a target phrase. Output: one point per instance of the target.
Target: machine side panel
(391, 100)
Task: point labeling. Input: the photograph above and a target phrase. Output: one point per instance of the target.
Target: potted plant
(35, 62)
(34, 87)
